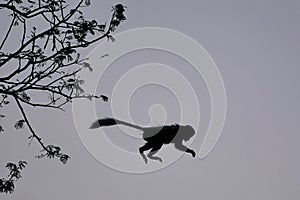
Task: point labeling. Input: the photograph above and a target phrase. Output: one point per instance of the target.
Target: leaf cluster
(8, 185)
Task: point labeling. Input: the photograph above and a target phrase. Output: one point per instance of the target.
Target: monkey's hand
(159, 159)
(104, 98)
(191, 152)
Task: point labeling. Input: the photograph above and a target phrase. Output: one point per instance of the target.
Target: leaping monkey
(155, 137)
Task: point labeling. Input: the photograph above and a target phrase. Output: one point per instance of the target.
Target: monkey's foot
(144, 158)
(155, 158)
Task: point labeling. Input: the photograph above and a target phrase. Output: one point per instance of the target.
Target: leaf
(87, 65)
(78, 88)
(25, 97)
(80, 82)
(69, 37)
(15, 173)
(64, 158)
(111, 38)
(120, 17)
(31, 1)
(104, 55)
(18, 1)
(115, 22)
(22, 164)
(94, 22)
(119, 8)
(102, 27)
(20, 124)
(11, 166)
(87, 2)
(7, 187)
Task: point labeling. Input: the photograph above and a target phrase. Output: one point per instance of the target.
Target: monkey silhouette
(155, 137)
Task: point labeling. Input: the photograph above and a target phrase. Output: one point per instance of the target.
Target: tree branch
(34, 135)
(8, 31)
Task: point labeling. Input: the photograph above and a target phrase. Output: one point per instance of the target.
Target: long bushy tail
(111, 122)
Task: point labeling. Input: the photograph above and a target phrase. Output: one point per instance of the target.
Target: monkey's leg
(153, 151)
(181, 147)
(146, 147)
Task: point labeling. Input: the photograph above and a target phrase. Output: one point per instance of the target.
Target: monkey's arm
(181, 147)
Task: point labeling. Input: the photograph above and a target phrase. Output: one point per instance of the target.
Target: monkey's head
(187, 132)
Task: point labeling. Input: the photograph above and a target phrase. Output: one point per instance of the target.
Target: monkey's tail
(112, 122)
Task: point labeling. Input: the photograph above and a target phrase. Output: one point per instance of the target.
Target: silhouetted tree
(46, 61)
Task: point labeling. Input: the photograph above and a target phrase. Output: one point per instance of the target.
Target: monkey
(155, 137)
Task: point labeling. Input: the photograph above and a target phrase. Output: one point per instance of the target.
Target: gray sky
(255, 45)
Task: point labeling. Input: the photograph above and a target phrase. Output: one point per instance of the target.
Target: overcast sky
(255, 45)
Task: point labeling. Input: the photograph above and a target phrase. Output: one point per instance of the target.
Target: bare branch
(28, 124)
(8, 31)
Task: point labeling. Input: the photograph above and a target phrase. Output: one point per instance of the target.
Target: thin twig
(29, 126)
(9, 29)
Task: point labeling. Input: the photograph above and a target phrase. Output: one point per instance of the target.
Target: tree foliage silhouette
(41, 69)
